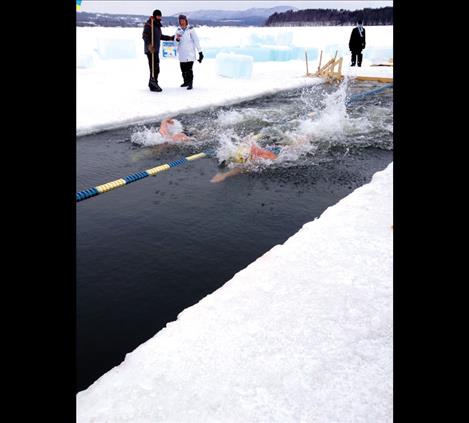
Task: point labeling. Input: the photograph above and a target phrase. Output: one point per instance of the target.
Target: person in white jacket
(188, 42)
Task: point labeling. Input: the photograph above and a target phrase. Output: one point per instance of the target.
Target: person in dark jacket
(357, 43)
(154, 49)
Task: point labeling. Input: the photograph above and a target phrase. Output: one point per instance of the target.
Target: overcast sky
(173, 7)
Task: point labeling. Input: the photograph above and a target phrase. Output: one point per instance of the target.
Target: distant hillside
(332, 17)
(260, 14)
(108, 19)
(250, 17)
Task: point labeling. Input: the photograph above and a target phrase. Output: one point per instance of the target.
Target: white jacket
(187, 44)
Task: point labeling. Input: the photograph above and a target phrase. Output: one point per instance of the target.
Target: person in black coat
(357, 43)
(149, 48)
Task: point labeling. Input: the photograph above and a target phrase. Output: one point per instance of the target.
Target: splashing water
(310, 126)
(229, 142)
(147, 137)
(175, 128)
(233, 148)
(151, 136)
(330, 120)
(228, 118)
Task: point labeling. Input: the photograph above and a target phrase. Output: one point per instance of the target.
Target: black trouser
(356, 53)
(156, 67)
(186, 69)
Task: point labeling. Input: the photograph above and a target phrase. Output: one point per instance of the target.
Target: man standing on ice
(357, 43)
(152, 47)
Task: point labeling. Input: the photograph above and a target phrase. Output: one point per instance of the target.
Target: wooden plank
(326, 66)
(320, 60)
(326, 69)
(373, 78)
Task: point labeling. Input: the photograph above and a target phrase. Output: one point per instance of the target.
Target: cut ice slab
(233, 65)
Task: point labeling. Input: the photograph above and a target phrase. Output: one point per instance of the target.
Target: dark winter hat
(156, 13)
(359, 22)
(183, 17)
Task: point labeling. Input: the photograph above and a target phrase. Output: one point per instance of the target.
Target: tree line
(332, 17)
(115, 20)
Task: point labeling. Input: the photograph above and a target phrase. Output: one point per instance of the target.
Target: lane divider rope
(92, 192)
(359, 96)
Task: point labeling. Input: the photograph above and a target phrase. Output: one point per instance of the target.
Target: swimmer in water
(246, 153)
(169, 130)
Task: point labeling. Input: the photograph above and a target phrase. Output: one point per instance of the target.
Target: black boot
(153, 85)
(190, 78)
(156, 88)
(186, 83)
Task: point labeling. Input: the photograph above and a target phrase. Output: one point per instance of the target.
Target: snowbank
(303, 334)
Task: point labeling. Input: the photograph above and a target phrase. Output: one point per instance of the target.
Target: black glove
(201, 56)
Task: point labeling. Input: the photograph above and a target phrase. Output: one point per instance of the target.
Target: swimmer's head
(241, 155)
(174, 127)
(238, 156)
(252, 137)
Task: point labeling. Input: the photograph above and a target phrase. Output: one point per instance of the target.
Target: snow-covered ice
(303, 334)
